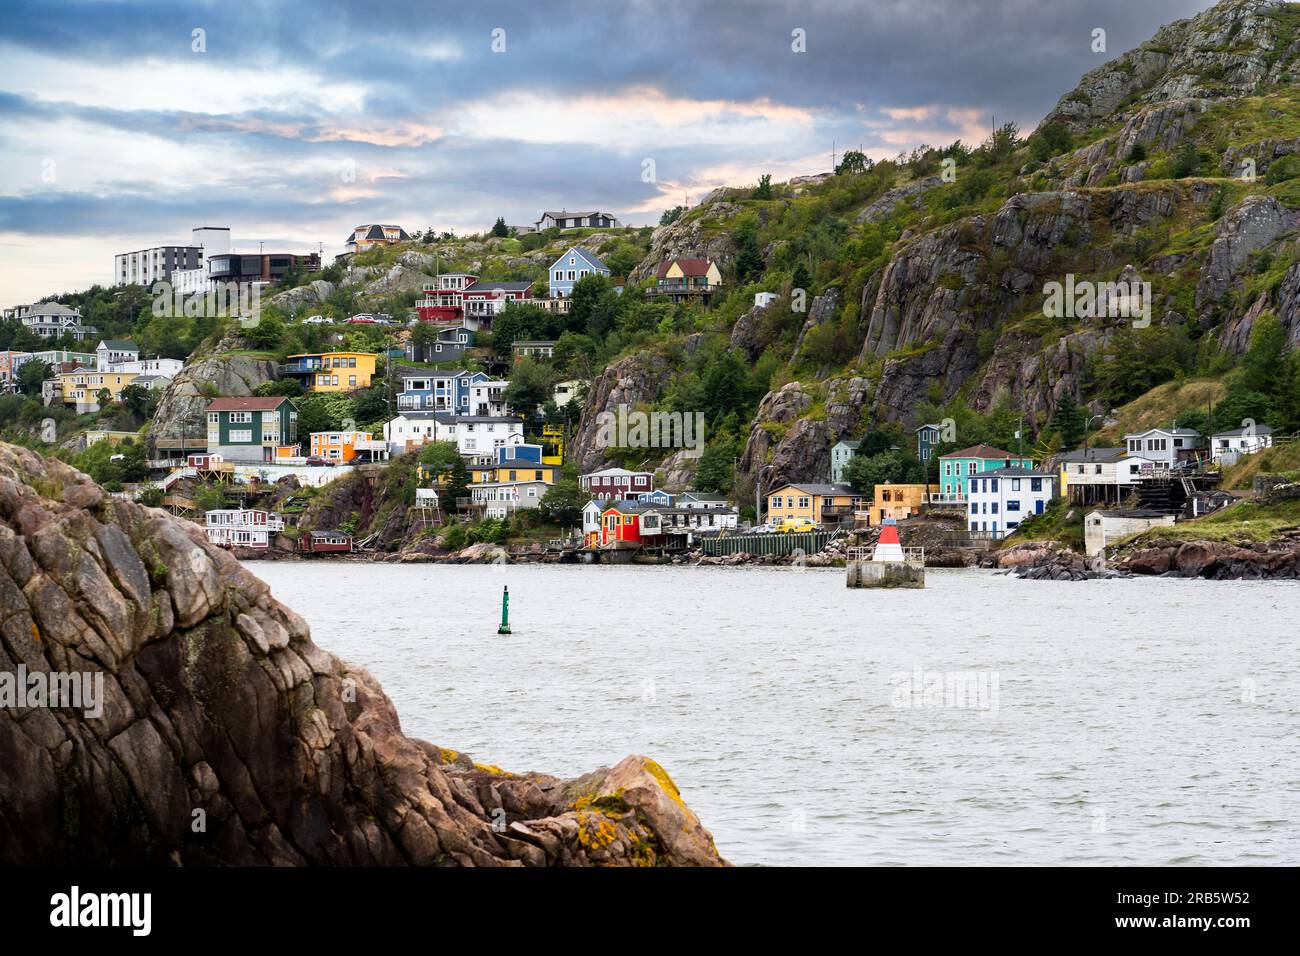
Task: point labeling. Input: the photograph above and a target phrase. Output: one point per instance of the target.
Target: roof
(690, 267)
(52, 308)
(534, 343)
(329, 534)
(1093, 454)
(1175, 432)
(855, 445)
(1013, 472)
(481, 286)
(937, 428)
(1128, 513)
(588, 257)
(631, 507)
(118, 345)
(1238, 432)
(565, 214)
(446, 418)
(376, 231)
(613, 473)
(702, 496)
(821, 489)
(253, 404)
(981, 451)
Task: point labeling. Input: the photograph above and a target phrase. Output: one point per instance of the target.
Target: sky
(126, 123)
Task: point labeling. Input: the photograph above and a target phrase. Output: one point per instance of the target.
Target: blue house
(657, 497)
(928, 438)
(449, 346)
(572, 266)
(432, 391)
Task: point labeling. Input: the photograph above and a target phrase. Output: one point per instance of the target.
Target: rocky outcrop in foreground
(223, 735)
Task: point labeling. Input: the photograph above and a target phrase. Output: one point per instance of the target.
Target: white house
(242, 527)
(566, 392)
(1097, 475)
(1002, 498)
(591, 517)
(1227, 447)
(763, 299)
(488, 398)
(701, 519)
(473, 435)
(113, 352)
(1165, 446)
(500, 499)
(1103, 528)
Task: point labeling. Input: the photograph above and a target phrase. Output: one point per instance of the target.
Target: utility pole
(832, 156)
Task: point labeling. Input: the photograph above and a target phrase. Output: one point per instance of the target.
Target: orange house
(336, 446)
(898, 501)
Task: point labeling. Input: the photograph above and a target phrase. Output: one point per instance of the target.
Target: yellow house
(681, 279)
(82, 387)
(331, 371)
(514, 470)
(823, 504)
(898, 501)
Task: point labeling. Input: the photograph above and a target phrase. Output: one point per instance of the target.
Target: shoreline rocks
(1215, 560)
(224, 736)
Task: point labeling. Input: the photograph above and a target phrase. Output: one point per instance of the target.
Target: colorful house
(345, 446)
(616, 483)
(898, 501)
(252, 429)
(626, 524)
(591, 523)
(452, 393)
(515, 463)
(821, 503)
(956, 467)
(374, 234)
(83, 388)
(444, 298)
(449, 345)
(572, 266)
(928, 438)
(685, 279)
(485, 299)
(330, 371)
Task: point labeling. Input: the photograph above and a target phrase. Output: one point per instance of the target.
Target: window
(993, 484)
(993, 509)
(776, 502)
(1015, 484)
(1013, 505)
(1035, 484)
(244, 435)
(947, 469)
(241, 418)
(805, 502)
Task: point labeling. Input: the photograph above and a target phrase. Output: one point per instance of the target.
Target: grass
(1059, 522)
(1159, 407)
(1245, 523)
(1280, 458)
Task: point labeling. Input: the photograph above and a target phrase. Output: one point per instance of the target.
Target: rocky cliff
(225, 736)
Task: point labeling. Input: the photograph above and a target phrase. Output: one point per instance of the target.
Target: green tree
(864, 472)
(854, 162)
(31, 375)
(563, 502)
(439, 457)
(672, 215)
(749, 262)
(530, 386)
(764, 189)
(499, 228)
(1262, 365)
(1068, 421)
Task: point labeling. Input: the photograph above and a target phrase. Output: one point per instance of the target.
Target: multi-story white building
(475, 436)
(999, 500)
(161, 263)
(243, 527)
(50, 320)
(1166, 446)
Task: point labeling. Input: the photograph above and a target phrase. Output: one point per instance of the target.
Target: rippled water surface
(1141, 721)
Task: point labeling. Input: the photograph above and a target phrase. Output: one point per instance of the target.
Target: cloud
(301, 120)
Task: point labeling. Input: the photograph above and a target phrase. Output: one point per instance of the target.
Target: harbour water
(1147, 722)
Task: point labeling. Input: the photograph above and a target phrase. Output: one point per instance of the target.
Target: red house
(615, 483)
(444, 300)
(628, 524)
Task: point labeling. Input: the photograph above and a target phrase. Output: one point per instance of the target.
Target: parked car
(315, 320)
(318, 460)
(796, 525)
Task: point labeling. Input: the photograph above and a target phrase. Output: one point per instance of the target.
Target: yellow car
(795, 525)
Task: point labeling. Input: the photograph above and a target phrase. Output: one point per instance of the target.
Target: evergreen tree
(1068, 420)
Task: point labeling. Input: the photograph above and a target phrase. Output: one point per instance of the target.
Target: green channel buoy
(505, 610)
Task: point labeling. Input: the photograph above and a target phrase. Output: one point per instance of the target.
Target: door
(1038, 506)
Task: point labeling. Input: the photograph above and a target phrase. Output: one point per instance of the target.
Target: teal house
(252, 429)
(956, 467)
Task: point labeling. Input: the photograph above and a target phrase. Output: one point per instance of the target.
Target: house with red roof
(686, 279)
(252, 429)
(629, 524)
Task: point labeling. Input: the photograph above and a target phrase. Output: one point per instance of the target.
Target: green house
(957, 466)
(252, 429)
